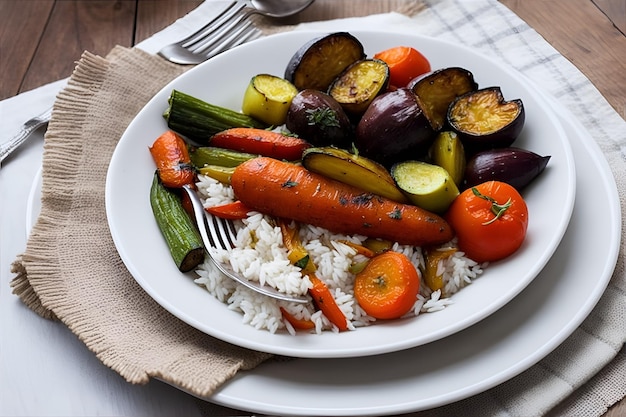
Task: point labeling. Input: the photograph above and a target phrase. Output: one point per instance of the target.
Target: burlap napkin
(71, 269)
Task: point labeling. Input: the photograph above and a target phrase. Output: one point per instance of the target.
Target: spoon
(279, 8)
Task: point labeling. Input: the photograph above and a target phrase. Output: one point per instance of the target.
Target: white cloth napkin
(586, 374)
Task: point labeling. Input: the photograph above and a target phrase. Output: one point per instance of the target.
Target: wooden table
(40, 40)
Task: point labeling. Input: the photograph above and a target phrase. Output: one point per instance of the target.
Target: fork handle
(7, 148)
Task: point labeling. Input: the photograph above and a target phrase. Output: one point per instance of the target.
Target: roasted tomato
(490, 221)
(483, 119)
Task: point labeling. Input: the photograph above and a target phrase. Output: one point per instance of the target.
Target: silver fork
(220, 233)
(27, 129)
(229, 29)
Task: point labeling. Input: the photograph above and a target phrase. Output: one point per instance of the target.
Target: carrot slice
(231, 211)
(405, 63)
(299, 324)
(261, 142)
(322, 297)
(387, 287)
(171, 156)
(324, 300)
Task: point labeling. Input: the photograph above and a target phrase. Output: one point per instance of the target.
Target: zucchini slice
(428, 186)
(267, 98)
(318, 62)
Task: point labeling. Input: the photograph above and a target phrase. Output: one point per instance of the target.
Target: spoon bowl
(279, 8)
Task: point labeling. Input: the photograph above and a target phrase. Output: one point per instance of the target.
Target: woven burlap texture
(71, 269)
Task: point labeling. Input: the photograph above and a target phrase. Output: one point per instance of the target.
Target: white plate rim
(304, 348)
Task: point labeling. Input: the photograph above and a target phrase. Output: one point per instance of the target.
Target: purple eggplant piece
(515, 166)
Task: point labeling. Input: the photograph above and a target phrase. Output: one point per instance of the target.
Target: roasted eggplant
(517, 167)
(438, 89)
(394, 128)
(318, 62)
(352, 169)
(483, 119)
(316, 117)
(359, 84)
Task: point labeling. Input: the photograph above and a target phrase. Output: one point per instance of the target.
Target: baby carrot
(405, 63)
(299, 324)
(260, 142)
(231, 211)
(171, 156)
(387, 287)
(290, 191)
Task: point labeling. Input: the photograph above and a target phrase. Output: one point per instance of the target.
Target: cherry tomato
(490, 221)
(405, 63)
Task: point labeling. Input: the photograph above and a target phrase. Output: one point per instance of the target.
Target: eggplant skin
(318, 62)
(394, 128)
(437, 89)
(484, 120)
(515, 166)
(317, 117)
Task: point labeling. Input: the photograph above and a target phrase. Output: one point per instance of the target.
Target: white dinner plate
(222, 80)
(469, 362)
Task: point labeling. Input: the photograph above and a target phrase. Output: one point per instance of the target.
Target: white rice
(261, 256)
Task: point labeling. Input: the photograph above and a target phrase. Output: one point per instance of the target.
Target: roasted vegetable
(433, 273)
(261, 142)
(354, 170)
(319, 119)
(318, 62)
(171, 156)
(211, 155)
(217, 172)
(490, 221)
(388, 286)
(290, 191)
(267, 98)
(405, 64)
(447, 151)
(428, 186)
(231, 211)
(394, 128)
(322, 297)
(199, 120)
(356, 87)
(483, 119)
(179, 232)
(438, 89)
(517, 167)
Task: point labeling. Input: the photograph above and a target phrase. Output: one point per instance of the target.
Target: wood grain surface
(40, 40)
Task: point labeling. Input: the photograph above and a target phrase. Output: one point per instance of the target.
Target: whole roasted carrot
(171, 156)
(261, 142)
(290, 191)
